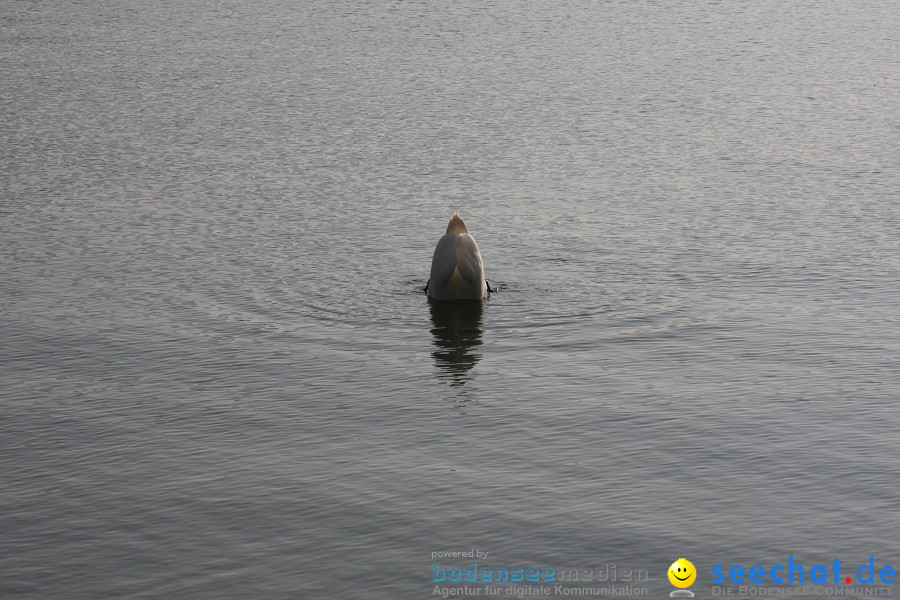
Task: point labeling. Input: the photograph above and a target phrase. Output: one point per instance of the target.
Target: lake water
(221, 378)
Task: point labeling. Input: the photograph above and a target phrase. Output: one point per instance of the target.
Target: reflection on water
(457, 330)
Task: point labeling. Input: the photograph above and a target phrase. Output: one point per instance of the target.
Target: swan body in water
(457, 272)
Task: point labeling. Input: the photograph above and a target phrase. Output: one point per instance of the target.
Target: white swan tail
(457, 271)
(456, 225)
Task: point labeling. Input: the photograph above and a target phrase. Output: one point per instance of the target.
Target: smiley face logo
(682, 573)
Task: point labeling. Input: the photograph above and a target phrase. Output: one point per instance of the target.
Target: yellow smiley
(682, 573)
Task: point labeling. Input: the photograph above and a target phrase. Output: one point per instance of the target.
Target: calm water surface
(221, 379)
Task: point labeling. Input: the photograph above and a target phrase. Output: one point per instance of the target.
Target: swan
(457, 272)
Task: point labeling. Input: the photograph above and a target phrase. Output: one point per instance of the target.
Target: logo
(682, 574)
(794, 572)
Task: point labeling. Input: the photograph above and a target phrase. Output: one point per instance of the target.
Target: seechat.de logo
(795, 572)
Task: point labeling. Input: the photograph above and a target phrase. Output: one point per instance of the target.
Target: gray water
(221, 378)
